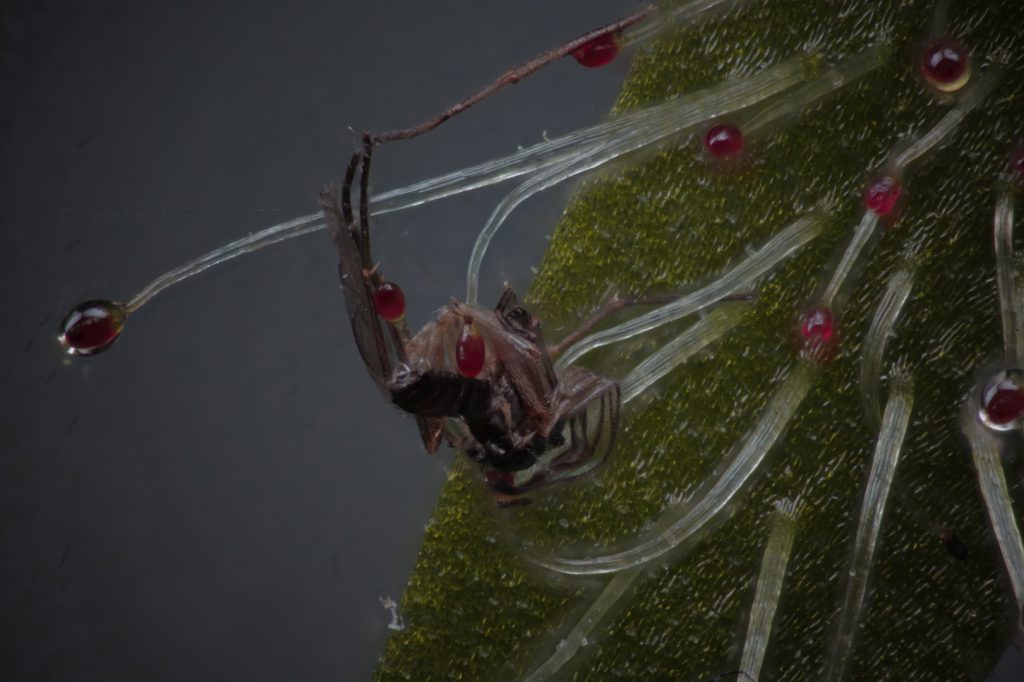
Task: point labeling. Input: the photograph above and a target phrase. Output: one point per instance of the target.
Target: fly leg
(584, 426)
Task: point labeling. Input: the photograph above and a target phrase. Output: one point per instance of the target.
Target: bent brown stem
(513, 76)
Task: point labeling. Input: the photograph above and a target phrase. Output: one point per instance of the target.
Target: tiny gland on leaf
(92, 327)
(389, 301)
(470, 350)
(724, 141)
(599, 51)
(945, 65)
(881, 194)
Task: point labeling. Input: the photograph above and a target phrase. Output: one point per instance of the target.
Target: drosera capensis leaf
(662, 221)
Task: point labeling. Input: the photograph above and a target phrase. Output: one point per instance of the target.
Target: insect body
(482, 380)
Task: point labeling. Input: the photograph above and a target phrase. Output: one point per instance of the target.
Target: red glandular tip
(470, 350)
(599, 51)
(817, 333)
(724, 141)
(945, 65)
(881, 194)
(1002, 401)
(389, 301)
(92, 327)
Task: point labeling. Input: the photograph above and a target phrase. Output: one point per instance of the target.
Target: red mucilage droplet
(470, 350)
(724, 141)
(1002, 401)
(599, 51)
(92, 327)
(389, 301)
(945, 65)
(817, 332)
(881, 194)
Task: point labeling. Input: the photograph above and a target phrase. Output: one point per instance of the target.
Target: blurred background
(225, 494)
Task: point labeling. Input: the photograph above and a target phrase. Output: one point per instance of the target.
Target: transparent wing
(371, 339)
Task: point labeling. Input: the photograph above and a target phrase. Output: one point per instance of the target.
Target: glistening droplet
(92, 327)
(389, 301)
(599, 51)
(881, 194)
(1002, 401)
(945, 65)
(724, 141)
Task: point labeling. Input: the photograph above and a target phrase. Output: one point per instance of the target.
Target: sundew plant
(820, 477)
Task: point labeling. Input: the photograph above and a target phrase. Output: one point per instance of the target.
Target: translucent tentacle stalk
(532, 159)
(882, 324)
(769, 587)
(271, 235)
(681, 522)
(730, 96)
(940, 20)
(726, 97)
(810, 92)
(537, 157)
(586, 161)
(899, 161)
(992, 482)
(660, 122)
(567, 648)
(780, 247)
(689, 13)
(695, 339)
(883, 467)
(670, 119)
(973, 95)
(862, 235)
(1011, 303)
(696, 107)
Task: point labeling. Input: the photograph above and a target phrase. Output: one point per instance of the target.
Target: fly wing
(375, 345)
(366, 325)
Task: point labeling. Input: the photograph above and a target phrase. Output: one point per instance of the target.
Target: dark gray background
(224, 495)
